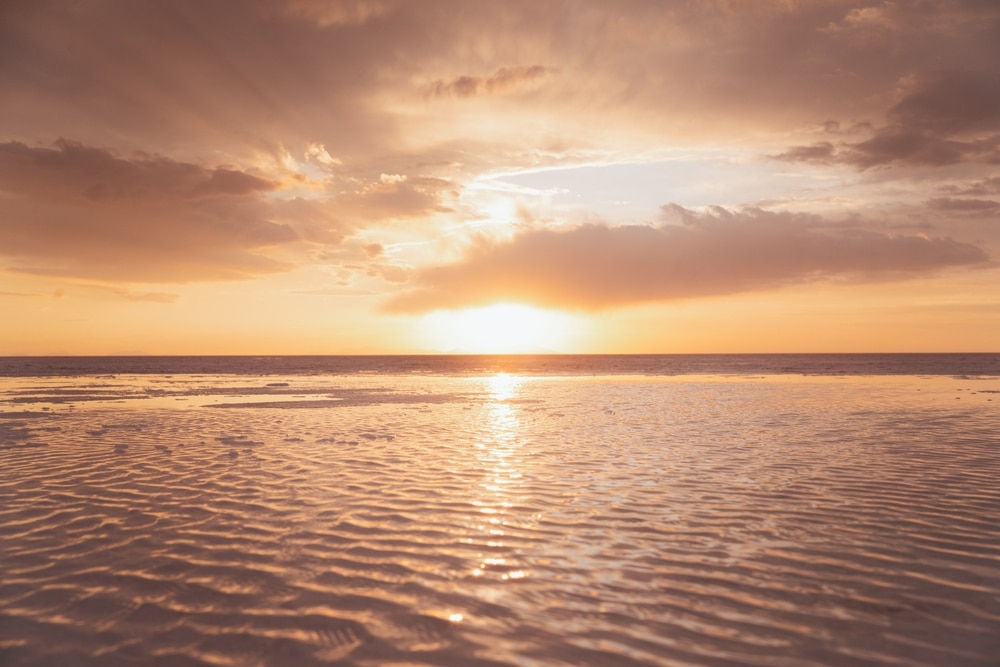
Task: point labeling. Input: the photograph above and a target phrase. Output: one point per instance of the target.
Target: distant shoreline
(828, 364)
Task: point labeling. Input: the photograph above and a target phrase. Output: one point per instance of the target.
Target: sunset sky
(393, 176)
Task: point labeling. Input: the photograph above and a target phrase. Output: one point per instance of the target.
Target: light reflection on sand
(499, 456)
(499, 520)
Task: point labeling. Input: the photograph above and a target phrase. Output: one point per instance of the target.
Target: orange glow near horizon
(503, 328)
(330, 197)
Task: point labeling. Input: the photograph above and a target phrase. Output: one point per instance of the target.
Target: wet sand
(499, 520)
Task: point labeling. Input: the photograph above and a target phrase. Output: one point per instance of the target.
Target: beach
(499, 518)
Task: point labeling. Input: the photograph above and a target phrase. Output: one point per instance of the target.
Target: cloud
(345, 291)
(395, 196)
(987, 186)
(356, 264)
(112, 292)
(234, 79)
(257, 76)
(73, 210)
(504, 80)
(72, 171)
(968, 205)
(216, 92)
(334, 13)
(822, 152)
(947, 103)
(390, 273)
(690, 254)
(944, 118)
(867, 18)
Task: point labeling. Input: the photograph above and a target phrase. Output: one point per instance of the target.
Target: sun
(503, 328)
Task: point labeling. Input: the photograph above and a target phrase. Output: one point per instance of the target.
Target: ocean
(697, 510)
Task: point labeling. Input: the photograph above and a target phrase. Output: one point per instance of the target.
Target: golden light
(503, 328)
(502, 386)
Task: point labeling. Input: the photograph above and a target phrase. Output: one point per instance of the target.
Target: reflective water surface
(499, 520)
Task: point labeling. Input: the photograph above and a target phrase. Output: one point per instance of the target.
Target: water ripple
(499, 521)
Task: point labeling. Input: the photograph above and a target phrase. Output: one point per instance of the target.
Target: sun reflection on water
(499, 453)
(503, 386)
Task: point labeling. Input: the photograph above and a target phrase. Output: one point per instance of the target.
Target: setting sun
(519, 332)
(502, 328)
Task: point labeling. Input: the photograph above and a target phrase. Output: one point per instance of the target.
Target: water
(529, 364)
(215, 511)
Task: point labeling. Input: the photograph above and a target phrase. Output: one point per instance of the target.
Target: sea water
(744, 510)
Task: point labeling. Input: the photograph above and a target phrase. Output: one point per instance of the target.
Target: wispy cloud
(336, 13)
(504, 80)
(987, 186)
(121, 293)
(953, 204)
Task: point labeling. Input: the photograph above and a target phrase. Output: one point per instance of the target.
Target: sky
(394, 176)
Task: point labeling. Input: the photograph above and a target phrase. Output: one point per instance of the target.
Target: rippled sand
(221, 520)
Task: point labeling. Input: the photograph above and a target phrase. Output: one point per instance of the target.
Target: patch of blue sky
(634, 192)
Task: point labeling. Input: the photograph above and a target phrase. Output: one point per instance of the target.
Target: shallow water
(499, 520)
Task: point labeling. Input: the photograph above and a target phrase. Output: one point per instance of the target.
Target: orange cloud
(395, 196)
(74, 210)
(238, 82)
(691, 254)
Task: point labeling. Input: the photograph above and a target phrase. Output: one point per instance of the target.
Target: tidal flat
(499, 519)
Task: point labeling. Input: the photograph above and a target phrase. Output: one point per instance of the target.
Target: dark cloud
(72, 171)
(949, 103)
(945, 118)
(837, 128)
(73, 210)
(822, 152)
(967, 205)
(689, 255)
(502, 81)
(898, 145)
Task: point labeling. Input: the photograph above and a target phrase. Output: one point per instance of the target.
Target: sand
(499, 520)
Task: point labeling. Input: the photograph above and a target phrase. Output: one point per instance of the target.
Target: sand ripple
(499, 521)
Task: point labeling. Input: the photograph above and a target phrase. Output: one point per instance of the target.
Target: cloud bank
(78, 211)
(945, 118)
(237, 138)
(593, 266)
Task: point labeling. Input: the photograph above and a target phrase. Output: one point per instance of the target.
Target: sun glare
(503, 328)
